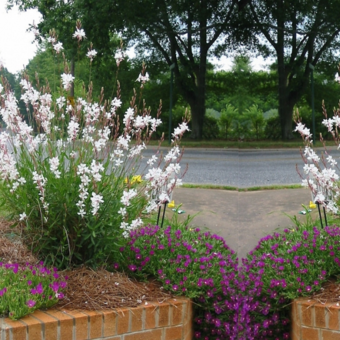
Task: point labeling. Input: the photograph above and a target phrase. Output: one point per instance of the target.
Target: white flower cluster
(88, 127)
(85, 172)
(143, 78)
(119, 56)
(72, 130)
(320, 175)
(91, 54)
(179, 131)
(79, 34)
(67, 80)
(54, 164)
(40, 182)
(58, 47)
(305, 132)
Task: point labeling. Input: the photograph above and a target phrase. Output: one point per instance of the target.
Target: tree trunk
(197, 118)
(285, 111)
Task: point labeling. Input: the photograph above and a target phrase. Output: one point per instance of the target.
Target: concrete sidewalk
(242, 218)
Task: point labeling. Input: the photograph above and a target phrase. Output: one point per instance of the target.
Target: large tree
(300, 34)
(181, 33)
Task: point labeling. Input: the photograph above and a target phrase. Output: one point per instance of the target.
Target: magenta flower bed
(251, 301)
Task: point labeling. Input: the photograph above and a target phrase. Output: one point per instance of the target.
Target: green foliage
(70, 186)
(257, 120)
(28, 288)
(295, 52)
(59, 234)
(272, 130)
(228, 115)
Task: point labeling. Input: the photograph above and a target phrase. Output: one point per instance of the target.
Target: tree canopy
(300, 34)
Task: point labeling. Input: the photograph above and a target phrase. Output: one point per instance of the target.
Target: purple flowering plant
(25, 288)
(193, 263)
(282, 267)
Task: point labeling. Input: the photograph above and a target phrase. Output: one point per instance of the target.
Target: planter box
(315, 321)
(171, 320)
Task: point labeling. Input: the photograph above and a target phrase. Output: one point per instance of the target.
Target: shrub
(27, 288)
(69, 185)
(191, 263)
(281, 268)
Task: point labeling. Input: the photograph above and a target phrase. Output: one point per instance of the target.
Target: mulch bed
(86, 288)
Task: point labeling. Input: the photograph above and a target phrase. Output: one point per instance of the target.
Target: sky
(16, 47)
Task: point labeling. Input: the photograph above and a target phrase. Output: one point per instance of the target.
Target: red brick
(65, 323)
(294, 312)
(176, 316)
(17, 328)
(333, 317)
(34, 327)
(330, 335)
(123, 317)
(320, 316)
(50, 329)
(149, 316)
(306, 313)
(309, 334)
(163, 315)
(96, 324)
(174, 333)
(155, 334)
(136, 319)
(110, 323)
(81, 324)
(295, 330)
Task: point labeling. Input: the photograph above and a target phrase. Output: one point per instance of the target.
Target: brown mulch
(329, 293)
(86, 288)
(100, 289)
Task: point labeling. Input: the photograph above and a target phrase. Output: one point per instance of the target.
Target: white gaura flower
(142, 79)
(178, 132)
(95, 202)
(22, 216)
(116, 102)
(60, 102)
(127, 196)
(91, 54)
(122, 211)
(119, 56)
(58, 47)
(67, 80)
(54, 164)
(79, 34)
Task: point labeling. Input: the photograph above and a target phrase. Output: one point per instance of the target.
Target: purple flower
(132, 267)
(60, 295)
(63, 284)
(39, 288)
(30, 303)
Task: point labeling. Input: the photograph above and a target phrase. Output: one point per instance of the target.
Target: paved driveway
(242, 218)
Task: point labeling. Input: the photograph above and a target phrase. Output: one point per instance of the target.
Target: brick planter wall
(171, 320)
(315, 321)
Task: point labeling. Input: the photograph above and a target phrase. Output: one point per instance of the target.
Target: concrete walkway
(242, 218)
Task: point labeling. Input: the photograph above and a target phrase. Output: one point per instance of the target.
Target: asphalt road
(241, 168)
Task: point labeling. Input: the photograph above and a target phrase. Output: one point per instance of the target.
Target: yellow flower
(134, 179)
(312, 205)
(171, 204)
